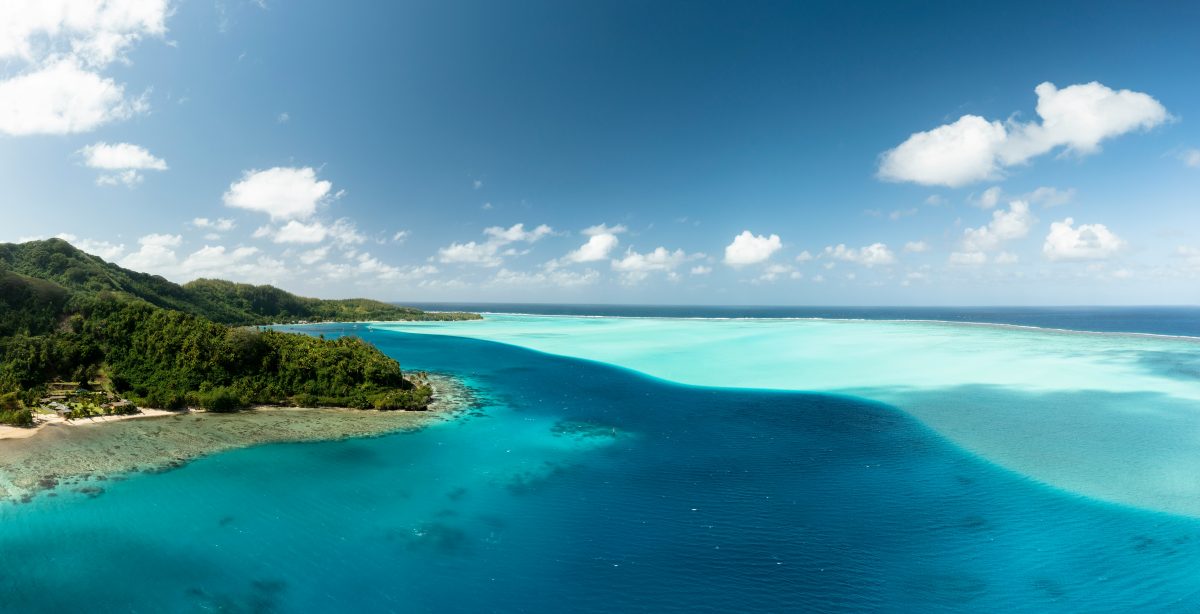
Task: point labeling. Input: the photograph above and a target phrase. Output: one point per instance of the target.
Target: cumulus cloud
(555, 278)
(1076, 118)
(1044, 196)
(104, 249)
(772, 272)
(989, 198)
(156, 253)
(700, 269)
(491, 252)
(220, 224)
(62, 99)
(874, 254)
(1085, 242)
(126, 159)
(366, 268)
(97, 33)
(601, 241)
(283, 193)
(299, 232)
(968, 258)
(56, 49)
(748, 248)
(314, 255)
(916, 247)
(1047, 196)
(635, 267)
(343, 232)
(1006, 225)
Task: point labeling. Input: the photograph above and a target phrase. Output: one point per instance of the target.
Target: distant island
(81, 337)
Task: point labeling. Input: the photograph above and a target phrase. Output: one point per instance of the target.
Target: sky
(780, 153)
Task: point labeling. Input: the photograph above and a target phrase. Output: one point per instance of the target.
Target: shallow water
(576, 486)
(1110, 416)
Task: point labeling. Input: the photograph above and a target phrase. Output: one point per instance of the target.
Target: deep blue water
(579, 487)
(1183, 321)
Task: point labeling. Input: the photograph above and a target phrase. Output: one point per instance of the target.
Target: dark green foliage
(219, 399)
(226, 302)
(13, 410)
(154, 344)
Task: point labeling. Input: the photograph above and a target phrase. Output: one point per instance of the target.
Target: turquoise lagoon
(1107, 415)
(621, 465)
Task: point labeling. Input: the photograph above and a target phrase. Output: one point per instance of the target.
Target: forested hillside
(66, 315)
(226, 302)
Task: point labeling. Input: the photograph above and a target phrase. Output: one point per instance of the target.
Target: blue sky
(769, 153)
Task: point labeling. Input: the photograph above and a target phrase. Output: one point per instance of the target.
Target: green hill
(226, 302)
(67, 315)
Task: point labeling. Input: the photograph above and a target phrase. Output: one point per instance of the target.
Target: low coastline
(90, 451)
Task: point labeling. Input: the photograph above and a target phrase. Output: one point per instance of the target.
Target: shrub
(220, 399)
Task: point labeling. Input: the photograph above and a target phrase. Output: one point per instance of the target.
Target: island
(86, 341)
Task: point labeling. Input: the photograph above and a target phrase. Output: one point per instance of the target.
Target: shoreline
(44, 421)
(55, 456)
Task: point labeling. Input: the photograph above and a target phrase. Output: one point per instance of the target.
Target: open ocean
(656, 464)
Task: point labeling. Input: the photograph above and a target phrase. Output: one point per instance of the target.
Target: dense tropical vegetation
(67, 315)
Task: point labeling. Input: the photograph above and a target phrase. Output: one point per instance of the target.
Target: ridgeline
(69, 316)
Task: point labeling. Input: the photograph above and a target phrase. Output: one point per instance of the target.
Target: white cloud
(555, 278)
(105, 250)
(871, 255)
(315, 255)
(1006, 225)
(1007, 258)
(366, 267)
(62, 99)
(916, 247)
(635, 267)
(57, 48)
(915, 276)
(516, 232)
(968, 258)
(400, 236)
(1047, 196)
(477, 184)
(343, 232)
(97, 33)
(220, 224)
(283, 118)
(1191, 158)
(284, 193)
(772, 272)
(214, 261)
(488, 253)
(601, 241)
(804, 256)
(299, 232)
(700, 269)
(1077, 118)
(1087, 242)
(128, 178)
(748, 248)
(125, 158)
(117, 156)
(156, 254)
(990, 198)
